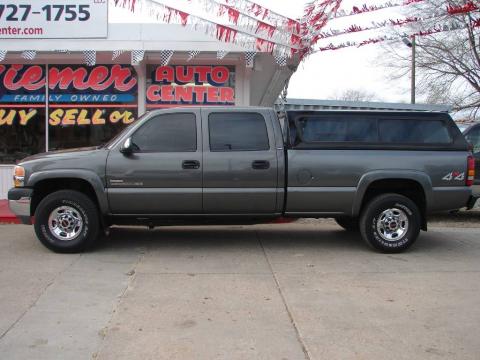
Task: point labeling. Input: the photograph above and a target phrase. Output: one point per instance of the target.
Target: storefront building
(55, 101)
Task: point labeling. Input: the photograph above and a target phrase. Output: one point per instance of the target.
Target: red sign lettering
(98, 79)
(187, 74)
(32, 78)
(184, 84)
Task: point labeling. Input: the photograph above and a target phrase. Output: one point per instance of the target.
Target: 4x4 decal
(454, 175)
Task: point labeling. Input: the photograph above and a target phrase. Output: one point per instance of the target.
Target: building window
(87, 107)
(90, 105)
(22, 111)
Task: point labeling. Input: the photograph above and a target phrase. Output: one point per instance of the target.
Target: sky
(327, 74)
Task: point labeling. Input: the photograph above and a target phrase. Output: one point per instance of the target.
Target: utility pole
(413, 46)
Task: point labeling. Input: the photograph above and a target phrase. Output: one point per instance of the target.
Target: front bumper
(19, 200)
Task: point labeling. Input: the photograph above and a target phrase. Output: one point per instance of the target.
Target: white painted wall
(6, 180)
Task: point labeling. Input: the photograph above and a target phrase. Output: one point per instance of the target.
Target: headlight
(19, 176)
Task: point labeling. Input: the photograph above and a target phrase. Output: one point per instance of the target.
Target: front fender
(367, 179)
(89, 176)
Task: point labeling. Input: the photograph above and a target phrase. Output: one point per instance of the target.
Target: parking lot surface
(306, 290)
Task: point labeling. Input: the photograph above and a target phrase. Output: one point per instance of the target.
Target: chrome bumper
(19, 201)
(20, 207)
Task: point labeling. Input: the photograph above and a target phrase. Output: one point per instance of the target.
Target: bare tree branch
(448, 63)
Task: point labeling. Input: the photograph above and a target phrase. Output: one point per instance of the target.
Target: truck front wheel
(67, 221)
(390, 223)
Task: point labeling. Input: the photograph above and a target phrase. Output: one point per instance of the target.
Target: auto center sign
(53, 19)
(180, 85)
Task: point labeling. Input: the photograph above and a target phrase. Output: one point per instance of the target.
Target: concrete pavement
(296, 291)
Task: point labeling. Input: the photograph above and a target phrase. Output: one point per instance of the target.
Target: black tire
(381, 234)
(80, 207)
(348, 223)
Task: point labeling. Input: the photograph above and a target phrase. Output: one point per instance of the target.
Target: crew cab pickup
(381, 173)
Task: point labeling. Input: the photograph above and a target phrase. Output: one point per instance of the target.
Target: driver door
(163, 175)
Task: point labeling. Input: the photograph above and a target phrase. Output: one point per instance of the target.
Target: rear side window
(167, 133)
(413, 131)
(237, 132)
(338, 129)
(473, 137)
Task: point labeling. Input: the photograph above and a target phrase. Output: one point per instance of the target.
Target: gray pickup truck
(380, 173)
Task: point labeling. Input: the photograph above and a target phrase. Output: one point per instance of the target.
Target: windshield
(121, 133)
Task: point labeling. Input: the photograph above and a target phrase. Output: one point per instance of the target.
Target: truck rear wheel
(67, 221)
(348, 223)
(390, 223)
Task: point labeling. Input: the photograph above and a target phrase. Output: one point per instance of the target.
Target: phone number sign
(53, 19)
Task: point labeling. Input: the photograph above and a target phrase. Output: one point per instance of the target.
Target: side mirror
(127, 147)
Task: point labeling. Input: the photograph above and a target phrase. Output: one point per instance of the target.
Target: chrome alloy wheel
(65, 223)
(392, 224)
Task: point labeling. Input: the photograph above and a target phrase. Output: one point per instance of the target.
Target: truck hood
(73, 153)
(72, 161)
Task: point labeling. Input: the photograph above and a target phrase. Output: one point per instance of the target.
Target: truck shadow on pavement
(218, 237)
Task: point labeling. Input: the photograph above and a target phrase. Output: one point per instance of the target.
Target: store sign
(190, 85)
(53, 19)
(78, 95)
(19, 82)
(99, 95)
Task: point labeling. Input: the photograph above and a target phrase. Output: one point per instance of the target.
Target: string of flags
(257, 29)
(137, 56)
(365, 8)
(320, 12)
(236, 22)
(192, 54)
(253, 9)
(249, 58)
(436, 29)
(116, 54)
(90, 57)
(374, 25)
(29, 54)
(165, 57)
(221, 54)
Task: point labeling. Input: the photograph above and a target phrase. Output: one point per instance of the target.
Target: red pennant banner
(463, 9)
(265, 28)
(226, 34)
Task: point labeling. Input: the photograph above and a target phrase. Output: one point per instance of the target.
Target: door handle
(261, 164)
(191, 164)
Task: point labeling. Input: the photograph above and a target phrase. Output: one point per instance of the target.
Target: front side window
(473, 137)
(167, 133)
(337, 129)
(413, 131)
(237, 132)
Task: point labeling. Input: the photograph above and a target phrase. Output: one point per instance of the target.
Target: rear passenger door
(240, 163)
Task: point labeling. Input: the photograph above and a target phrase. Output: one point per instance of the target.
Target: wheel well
(406, 187)
(45, 187)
